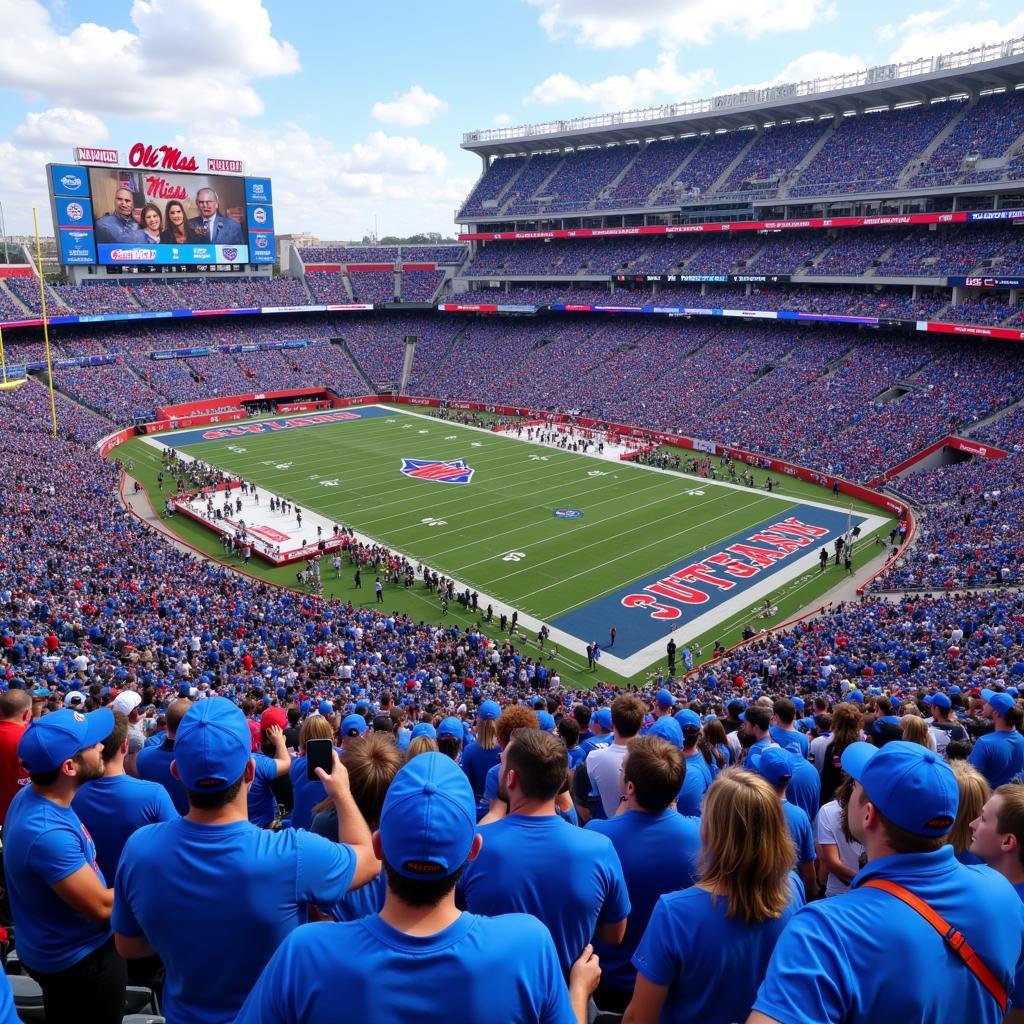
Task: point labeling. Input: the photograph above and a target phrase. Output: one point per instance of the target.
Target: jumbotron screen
(115, 216)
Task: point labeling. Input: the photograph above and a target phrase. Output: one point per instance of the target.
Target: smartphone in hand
(318, 755)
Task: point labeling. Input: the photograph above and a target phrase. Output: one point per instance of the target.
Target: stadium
(709, 428)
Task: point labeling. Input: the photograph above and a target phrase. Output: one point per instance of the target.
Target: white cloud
(334, 192)
(185, 59)
(395, 154)
(61, 126)
(646, 86)
(611, 23)
(807, 67)
(500, 120)
(925, 37)
(412, 108)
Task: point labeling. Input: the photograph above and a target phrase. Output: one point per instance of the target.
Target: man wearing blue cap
(999, 755)
(698, 773)
(775, 765)
(871, 955)
(154, 763)
(664, 703)
(214, 895)
(59, 898)
(449, 737)
(420, 959)
(600, 731)
(943, 724)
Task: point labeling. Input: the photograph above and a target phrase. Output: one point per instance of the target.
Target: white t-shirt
(818, 747)
(828, 831)
(604, 768)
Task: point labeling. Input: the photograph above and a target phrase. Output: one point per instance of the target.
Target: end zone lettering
(761, 550)
(268, 426)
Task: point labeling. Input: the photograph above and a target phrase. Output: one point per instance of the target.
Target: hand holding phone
(319, 754)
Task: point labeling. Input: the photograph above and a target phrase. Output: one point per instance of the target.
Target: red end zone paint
(269, 426)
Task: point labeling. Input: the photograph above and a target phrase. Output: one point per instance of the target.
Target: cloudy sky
(357, 110)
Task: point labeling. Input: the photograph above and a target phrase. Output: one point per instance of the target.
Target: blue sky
(357, 110)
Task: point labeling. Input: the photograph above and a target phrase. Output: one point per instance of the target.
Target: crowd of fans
(373, 286)
(867, 152)
(949, 251)
(142, 653)
(121, 654)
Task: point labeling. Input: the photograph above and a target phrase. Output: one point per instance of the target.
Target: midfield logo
(456, 472)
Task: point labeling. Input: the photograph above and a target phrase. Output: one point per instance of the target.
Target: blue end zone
(648, 609)
(231, 431)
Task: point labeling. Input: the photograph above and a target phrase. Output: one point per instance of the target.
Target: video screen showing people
(163, 218)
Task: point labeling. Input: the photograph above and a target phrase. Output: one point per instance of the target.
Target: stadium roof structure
(967, 72)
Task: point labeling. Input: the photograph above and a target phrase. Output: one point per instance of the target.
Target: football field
(582, 543)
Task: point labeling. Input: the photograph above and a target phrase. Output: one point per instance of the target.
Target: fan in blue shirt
(657, 847)
(262, 801)
(154, 763)
(420, 960)
(59, 896)
(775, 765)
(999, 755)
(782, 730)
(483, 752)
(868, 956)
(116, 805)
(307, 792)
(585, 895)
(212, 894)
(707, 947)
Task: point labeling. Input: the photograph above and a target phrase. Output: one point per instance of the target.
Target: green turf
(635, 521)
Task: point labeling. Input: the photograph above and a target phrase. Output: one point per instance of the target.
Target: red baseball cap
(273, 716)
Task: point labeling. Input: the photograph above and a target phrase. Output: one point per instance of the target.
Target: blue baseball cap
(998, 702)
(212, 745)
(49, 741)
(545, 721)
(955, 689)
(325, 707)
(798, 702)
(603, 717)
(423, 729)
(667, 728)
(489, 711)
(911, 785)
(774, 764)
(428, 820)
(687, 719)
(940, 700)
(664, 699)
(450, 728)
(353, 725)
(856, 696)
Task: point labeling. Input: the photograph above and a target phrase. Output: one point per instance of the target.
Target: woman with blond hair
(424, 741)
(307, 792)
(915, 730)
(706, 949)
(974, 793)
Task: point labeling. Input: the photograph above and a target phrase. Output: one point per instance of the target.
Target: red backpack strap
(954, 938)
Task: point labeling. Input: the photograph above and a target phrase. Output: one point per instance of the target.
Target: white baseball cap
(126, 701)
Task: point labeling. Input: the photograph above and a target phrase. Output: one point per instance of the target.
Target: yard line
(611, 561)
(602, 522)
